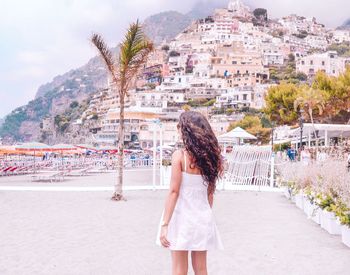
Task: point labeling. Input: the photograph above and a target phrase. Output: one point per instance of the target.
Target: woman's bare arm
(174, 189)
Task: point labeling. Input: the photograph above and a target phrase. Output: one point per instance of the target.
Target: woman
(187, 222)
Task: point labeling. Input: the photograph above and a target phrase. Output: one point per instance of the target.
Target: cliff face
(54, 98)
(165, 25)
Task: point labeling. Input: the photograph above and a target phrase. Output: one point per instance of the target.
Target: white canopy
(237, 133)
(333, 130)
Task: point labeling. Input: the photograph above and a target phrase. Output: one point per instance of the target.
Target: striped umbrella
(33, 147)
(63, 147)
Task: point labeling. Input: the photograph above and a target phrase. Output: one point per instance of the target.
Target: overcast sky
(40, 39)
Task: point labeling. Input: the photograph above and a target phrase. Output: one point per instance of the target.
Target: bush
(229, 111)
(209, 103)
(165, 48)
(74, 104)
(174, 53)
(281, 147)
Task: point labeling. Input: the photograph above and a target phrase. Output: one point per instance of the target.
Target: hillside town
(221, 65)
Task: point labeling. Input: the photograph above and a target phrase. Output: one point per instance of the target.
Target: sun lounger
(78, 173)
(98, 170)
(58, 176)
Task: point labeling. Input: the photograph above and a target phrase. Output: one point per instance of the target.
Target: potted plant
(288, 189)
(329, 220)
(299, 199)
(327, 217)
(316, 210)
(309, 202)
(345, 229)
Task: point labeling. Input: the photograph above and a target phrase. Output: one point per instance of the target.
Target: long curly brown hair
(202, 145)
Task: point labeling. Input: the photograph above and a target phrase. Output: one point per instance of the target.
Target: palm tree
(133, 54)
(308, 100)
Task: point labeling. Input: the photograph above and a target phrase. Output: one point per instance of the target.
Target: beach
(46, 232)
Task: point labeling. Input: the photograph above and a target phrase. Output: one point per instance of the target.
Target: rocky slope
(346, 25)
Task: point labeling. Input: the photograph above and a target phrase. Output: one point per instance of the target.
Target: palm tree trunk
(314, 129)
(118, 187)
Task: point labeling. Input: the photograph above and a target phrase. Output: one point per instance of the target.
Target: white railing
(249, 166)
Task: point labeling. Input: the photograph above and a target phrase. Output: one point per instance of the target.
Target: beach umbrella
(63, 147)
(33, 147)
(236, 134)
(7, 150)
(108, 148)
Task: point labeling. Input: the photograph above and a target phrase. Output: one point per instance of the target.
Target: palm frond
(134, 51)
(106, 55)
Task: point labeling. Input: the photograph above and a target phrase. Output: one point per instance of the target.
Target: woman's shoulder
(177, 154)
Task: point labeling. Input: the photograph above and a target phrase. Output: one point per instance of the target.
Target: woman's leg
(199, 262)
(180, 262)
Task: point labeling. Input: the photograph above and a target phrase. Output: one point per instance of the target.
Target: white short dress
(192, 226)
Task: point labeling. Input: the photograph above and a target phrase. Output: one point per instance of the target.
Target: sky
(40, 39)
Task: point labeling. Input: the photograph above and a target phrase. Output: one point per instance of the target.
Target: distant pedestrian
(291, 153)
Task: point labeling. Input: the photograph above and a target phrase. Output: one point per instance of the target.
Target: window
(323, 63)
(244, 97)
(302, 62)
(234, 62)
(311, 62)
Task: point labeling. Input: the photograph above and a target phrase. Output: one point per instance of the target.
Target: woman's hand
(163, 236)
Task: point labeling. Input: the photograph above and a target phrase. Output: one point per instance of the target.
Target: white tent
(237, 133)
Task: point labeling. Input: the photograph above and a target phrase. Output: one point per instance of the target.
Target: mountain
(204, 8)
(346, 25)
(165, 25)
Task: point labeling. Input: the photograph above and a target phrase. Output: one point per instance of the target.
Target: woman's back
(192, 226)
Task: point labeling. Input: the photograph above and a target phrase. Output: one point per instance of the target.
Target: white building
(235, 98)
(238, 8)
(340, 36)
(328, 62)
(272, 56)
(317, 42)
(260, 91)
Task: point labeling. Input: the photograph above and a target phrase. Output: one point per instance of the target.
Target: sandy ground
(87, 233)
(142, 176)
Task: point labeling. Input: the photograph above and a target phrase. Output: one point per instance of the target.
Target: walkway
(86, 233)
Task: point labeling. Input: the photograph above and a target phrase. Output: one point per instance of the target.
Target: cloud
(330, 12)
(31, 57)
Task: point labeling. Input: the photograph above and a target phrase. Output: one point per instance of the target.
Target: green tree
(186, 107)
(309, 100)
(336, 90)
(343, 49)
(280, 103)
(74, 104)
(133, 54)
(253, 125)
